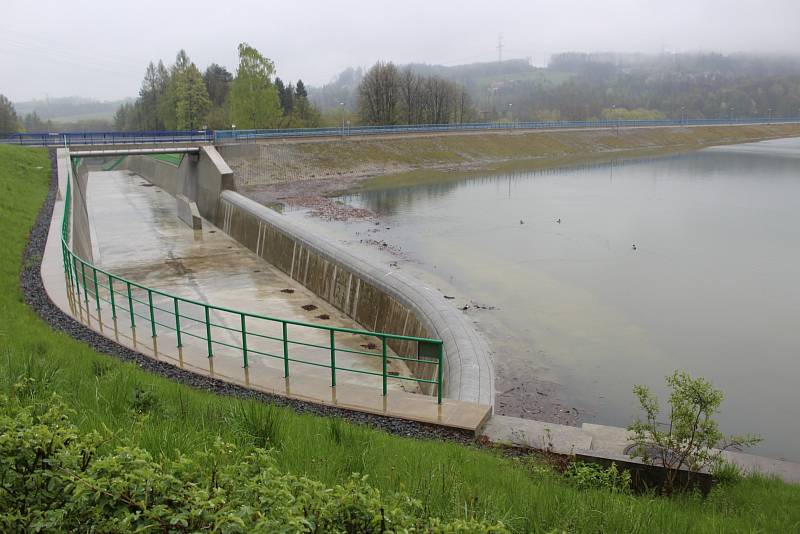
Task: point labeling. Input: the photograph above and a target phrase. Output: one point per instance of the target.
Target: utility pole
(500, 48)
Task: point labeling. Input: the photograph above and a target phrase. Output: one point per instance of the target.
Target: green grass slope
(138, 409)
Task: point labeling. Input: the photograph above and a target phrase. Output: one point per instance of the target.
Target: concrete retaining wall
(201, 178)
(377, 298)
(81, 233)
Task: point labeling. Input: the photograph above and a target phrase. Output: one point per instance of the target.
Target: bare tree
(388, 96)
(410, 96)
(438, 100)
(378, 94)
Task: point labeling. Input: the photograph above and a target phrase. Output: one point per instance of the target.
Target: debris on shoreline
(329, 209)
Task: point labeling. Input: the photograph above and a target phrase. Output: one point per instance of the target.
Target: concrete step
(518, 432)
(608, 439)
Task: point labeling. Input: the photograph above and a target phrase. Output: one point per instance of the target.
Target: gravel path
(36, 297)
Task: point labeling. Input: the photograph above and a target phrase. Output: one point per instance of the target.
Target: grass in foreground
(137, 409)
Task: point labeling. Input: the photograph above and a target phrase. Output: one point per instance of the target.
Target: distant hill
(578, 86)
(476, 78)
(70, 108)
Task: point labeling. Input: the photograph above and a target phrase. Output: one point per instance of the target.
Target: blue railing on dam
(232, 136)
(223, 136)
(108, 138)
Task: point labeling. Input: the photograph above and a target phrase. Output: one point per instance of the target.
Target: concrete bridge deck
(134, 151)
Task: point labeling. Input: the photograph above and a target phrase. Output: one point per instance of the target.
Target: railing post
(96, 288)
(130, 305)
(111, 293)
(333, 361)
(244, 340)
(285, 352)
(439, 375)
(385, 364)
(77, 281)
(152, 313)
(208, 332)
(177, 322)
(85, 292)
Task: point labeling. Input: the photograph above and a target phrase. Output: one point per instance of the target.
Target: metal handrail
(77, 270)
(222, 136)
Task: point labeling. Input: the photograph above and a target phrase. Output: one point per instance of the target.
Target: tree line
(579, 86)
(180, 97)
(388, 95)
(574, 86)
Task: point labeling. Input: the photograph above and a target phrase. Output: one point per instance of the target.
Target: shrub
(55, 480)
(144, 401)
(691, 438)
(593, 476)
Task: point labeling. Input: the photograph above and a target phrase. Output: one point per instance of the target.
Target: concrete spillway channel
(126, 222)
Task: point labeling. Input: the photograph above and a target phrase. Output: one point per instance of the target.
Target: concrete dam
(376, 299)
(180, 232)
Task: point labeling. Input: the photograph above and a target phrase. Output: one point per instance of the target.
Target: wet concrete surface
(137, 235)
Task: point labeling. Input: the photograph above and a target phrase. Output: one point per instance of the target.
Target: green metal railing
(247, 333)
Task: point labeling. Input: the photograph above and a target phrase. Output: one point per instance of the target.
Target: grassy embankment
(451, 480)
(400, 161)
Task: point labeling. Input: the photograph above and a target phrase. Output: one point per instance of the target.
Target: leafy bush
(593, 476)
(54, 479)
(691, 439)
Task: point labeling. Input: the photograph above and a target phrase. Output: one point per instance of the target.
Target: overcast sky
(100, 48)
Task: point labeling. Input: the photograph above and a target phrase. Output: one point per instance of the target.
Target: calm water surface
(712, 287)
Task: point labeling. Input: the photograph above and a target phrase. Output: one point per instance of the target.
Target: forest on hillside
(577, 86)
(573, 86)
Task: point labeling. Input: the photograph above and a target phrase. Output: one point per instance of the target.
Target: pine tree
(281, 93)
(289, 99)
(168, 105)
(218, 82)
(148, 98)
(300, 90)
(191, 99)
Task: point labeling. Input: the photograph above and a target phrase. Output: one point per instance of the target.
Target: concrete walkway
(608, 443)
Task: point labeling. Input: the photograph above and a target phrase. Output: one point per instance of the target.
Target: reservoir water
(711, 286)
